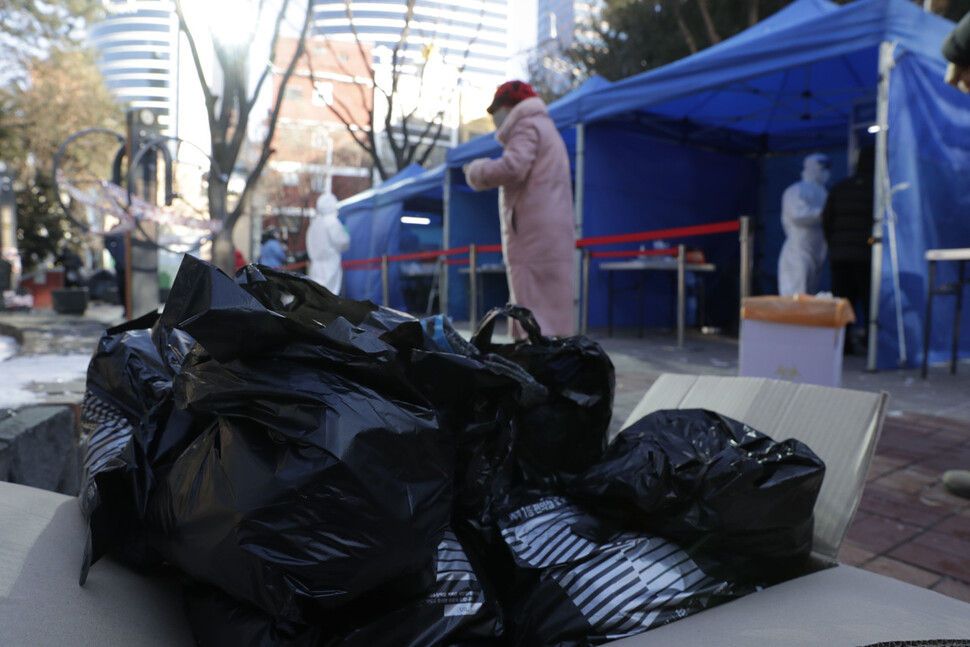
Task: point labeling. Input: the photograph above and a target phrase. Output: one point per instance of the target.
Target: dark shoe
(957, 482)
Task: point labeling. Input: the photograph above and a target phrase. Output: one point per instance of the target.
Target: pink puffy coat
(536, 212)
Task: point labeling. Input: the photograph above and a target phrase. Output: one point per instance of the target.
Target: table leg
(956, 320)
(641, 279)
(681, 296)
(928, 322)
(609, 305)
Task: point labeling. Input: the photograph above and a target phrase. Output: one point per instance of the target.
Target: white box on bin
(796, 339)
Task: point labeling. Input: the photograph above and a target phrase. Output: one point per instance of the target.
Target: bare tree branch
(267, 151)
(684, 29)
(210, 101)
(708, 22)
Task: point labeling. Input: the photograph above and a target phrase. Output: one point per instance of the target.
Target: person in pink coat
(535, 207)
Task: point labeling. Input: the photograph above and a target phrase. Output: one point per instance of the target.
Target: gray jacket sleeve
(956, 46)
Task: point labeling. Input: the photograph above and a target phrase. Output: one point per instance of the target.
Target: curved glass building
(469, 35)
(137, 54)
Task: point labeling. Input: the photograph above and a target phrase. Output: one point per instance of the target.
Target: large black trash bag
(128, 399)
(320, 475)
(698, 477)
(454, 610)
(458, 609)
(563, 435)
(582, 581)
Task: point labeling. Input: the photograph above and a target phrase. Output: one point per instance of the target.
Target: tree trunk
(222, 248)
(752, 13)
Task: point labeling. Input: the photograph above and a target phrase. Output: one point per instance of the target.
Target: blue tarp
(373, 218)
(704, 138)
(793, 87)
(720, 133)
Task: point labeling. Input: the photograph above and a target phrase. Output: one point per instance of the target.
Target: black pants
(852, 281)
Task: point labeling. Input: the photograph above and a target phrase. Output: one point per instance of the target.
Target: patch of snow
(8, 346)
(17, 374)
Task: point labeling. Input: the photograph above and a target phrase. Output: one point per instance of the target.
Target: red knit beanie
(510, 93)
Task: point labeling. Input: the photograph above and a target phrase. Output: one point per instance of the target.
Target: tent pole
(445, 244)
(881, 194)
(578, 222)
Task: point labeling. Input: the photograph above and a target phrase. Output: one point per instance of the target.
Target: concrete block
(38, 447)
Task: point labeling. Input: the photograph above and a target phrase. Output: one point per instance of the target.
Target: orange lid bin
(800, 309)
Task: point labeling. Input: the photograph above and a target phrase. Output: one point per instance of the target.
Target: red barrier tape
(636, 237)
(676, 232)
(369, 263)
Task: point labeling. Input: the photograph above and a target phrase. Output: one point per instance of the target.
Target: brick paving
(908, 525)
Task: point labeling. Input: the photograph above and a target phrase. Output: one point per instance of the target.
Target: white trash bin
(796, 338)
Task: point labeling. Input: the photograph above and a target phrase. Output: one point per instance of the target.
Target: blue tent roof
(791, 80)
(564, 111)
(411, 182)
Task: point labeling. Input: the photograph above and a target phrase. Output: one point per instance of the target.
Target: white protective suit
(802, 256)
(326, 240)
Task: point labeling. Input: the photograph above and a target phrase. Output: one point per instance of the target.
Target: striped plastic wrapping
(627, 584)
(454, 609)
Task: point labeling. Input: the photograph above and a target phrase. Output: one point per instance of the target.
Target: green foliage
(62, 94)
(632, 36)
(41, 221)
(637, 35)
(28, 28)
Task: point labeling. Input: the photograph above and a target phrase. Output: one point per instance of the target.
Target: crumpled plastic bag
(583, 582)
(567, 432)
(703, 479)
(309, 472)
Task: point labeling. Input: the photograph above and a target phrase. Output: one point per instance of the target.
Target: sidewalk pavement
(907, 526)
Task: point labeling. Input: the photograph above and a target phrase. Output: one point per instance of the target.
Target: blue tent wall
(474, 219)
(635, 182)
(373, 234)
(791, 89)
(929, 144)
(373, 219)
(789, 86)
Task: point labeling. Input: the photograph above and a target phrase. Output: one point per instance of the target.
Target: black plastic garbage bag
(584, 582)
(454, 610)
(458, 609)
(128, 398)
(563, 435)
(293, 464)
(698, 477)
(322, 475)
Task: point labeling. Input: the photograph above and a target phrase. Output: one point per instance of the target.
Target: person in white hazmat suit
(326, 240)
(802, 256)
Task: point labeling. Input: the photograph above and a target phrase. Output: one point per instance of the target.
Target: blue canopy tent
(472, 217)
(373, 218)
(694, 142)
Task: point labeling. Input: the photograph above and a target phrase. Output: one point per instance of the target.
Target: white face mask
(499, 116)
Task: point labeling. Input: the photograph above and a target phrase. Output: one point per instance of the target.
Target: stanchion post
(681, 293)
(585, 293)
(472, 286)
(385, 289)
(746, 257)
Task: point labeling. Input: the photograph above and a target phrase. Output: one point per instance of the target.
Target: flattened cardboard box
(41, 541)
(833, 604)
